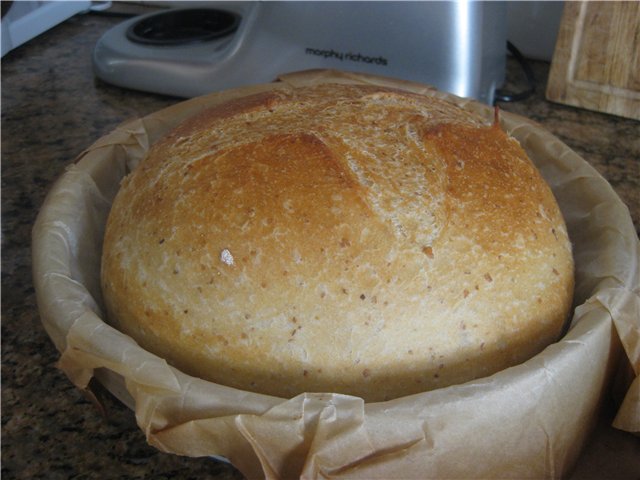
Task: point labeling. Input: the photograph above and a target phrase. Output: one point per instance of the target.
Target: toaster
(200, 47)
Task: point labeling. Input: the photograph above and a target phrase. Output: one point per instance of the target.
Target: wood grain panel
(596, 63)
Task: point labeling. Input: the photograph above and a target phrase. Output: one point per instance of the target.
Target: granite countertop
(52, 109)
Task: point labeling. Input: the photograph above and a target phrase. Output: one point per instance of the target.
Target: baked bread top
(337, 238)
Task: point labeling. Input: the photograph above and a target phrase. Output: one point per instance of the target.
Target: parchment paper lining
(528, 421)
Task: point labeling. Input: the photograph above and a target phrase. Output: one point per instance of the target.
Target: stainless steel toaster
(197, 48)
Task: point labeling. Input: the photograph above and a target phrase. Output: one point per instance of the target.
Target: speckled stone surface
(610, 144)
(53, 108)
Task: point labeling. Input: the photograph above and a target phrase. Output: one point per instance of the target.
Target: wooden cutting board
(596, 62)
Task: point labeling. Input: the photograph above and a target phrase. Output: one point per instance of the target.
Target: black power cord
(504, 96)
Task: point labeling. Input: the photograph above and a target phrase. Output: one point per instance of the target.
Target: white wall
(533, 27)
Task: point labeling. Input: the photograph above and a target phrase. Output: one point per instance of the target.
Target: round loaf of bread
(337, 238)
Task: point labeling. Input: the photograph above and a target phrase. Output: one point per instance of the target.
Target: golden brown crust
(353, 239)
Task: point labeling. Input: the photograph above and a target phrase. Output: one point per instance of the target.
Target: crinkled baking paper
(529, 421)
